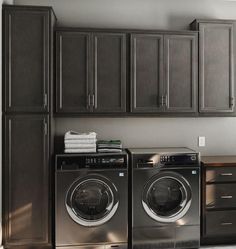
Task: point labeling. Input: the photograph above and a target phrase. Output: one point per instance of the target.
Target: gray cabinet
(146, 72)
(26, 71)
(164, 72)
(180, 77)
(109, 72)
(27, 109)
(26, 181)
(91, 72)
(216, 66)
(73, 71)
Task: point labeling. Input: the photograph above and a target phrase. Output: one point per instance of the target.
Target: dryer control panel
(146, 160)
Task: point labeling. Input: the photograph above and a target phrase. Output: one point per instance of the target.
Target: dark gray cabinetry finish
(216, 66)
(91, 72)
(26, 43)
(26, 219)
(164, 72)
(218, 200)
(146, 72)
(181, 74)
(27, 127)
(109, 72)
(73, 71)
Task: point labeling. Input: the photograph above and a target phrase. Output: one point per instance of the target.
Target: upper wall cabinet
(216, 66)
(164, 72)
(180, 74)
(146, 72)
(73, 72)
(91, 72)
(27, 65)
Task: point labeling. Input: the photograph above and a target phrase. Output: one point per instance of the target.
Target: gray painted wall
(160, 14)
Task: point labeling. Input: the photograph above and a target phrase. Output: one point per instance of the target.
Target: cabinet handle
(45, 100)
(226, 197)
(88, 100)
(93, 100)
(45, 128)
(226, 174)
(226, 223)
(232, 102)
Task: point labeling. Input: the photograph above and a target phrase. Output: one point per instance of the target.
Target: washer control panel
(96, 161)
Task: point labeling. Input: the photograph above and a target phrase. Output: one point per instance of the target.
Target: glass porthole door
(167, 197)
(92, 200)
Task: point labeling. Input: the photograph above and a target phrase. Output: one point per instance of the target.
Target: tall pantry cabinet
(27, 126)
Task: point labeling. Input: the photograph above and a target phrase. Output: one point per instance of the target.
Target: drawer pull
(226, 224)
(226, 174)
(226, 197)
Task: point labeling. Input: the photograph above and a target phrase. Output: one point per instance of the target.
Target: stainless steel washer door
(167, 197)
(92, 200)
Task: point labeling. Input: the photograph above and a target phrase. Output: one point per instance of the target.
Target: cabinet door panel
(26, 176)
(109, 56)
(180, 72)
(72, 79)
(216, 67)
(146, 72)
(26, 74)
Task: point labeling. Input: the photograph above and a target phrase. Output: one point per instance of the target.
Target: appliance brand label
(194, 172)
(121, 174)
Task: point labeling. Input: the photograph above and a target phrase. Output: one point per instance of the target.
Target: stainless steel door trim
(111, 209)
(185, 204)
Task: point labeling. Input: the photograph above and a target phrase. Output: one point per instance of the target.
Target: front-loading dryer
(165, 198)
(91, 201)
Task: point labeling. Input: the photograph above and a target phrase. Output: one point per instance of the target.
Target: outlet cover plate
(201, 141)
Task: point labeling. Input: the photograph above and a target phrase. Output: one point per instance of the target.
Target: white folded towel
(81, 141)
(80, 146)
(77, 135)
(80, 150)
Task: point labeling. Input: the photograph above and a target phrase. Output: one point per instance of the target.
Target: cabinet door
(26, 59)
(180, 56)
(109, 85)
(216, 70)
(26, 175)
(146, 72)
(72, 72)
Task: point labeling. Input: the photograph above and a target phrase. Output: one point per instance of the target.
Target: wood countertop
(218, 161)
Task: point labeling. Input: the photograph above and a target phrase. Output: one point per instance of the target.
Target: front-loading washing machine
(165, 198)
(91, 201)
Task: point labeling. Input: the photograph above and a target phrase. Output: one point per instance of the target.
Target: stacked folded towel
(80, 142)
(109, 146)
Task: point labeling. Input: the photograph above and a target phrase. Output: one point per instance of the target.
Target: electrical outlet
(201, 141)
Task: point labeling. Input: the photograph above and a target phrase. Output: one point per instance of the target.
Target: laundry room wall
(149, 14)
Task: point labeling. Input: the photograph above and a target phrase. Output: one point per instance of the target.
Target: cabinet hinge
(45, 128)
(232, 101)
(45, 100)
(161, 102)
(165, 100)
